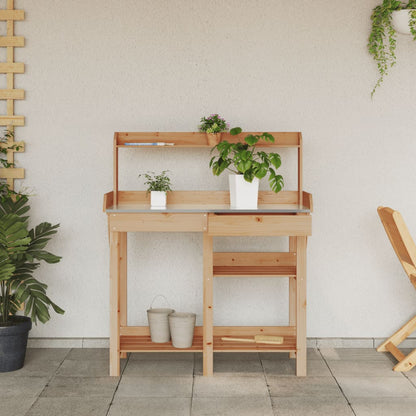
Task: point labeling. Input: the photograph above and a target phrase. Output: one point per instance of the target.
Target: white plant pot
(243, 194)
(157, 200)
(400, 21)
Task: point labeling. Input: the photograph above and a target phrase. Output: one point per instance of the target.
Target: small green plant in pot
(21, 251)
(383, 36)
(247, 166)
(158, 185)
(213, 126)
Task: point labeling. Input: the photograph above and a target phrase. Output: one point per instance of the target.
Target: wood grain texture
(259, 225)
(158, 222)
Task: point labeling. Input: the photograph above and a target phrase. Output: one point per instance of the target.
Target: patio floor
(340, 382)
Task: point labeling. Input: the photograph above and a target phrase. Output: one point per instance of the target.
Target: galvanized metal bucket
(158, 322)
(182, 325)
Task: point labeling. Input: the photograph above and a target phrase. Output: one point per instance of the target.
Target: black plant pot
(13, 342)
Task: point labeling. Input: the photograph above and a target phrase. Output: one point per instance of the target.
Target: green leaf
(251, 139)
(235, 131)
(275, 160)
(276, 182)
(249, 176)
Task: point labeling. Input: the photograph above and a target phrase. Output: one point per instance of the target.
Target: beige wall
(97, 66)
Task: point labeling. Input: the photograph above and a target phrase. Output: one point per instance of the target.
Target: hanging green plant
(382, 40)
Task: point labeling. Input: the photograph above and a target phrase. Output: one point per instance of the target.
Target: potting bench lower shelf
(284, 214)
(143, 343)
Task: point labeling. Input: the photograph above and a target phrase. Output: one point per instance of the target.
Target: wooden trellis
(9, 68)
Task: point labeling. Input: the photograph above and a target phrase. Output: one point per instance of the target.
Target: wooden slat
(301, 307)
(254, 271)
(220, 331)
(395, 351)
(208, 317)
(198, 139)
(12, 67)
(21, 146)
(206, 197)
(254, 259)
(12, 173)
(12, 14)
(12, 121)
(108, 200)
(400, 238)
(114, 304)
(407, 363)
(399, 336)
(123, 283)
(259, 225)
(158, 222)
(292, 292)
(307, 200)
(6, 94)
(144, 344)
(14, 41)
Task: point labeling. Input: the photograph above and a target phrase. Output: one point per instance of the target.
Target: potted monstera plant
(247, 166)
(388, 18)
(21, 251)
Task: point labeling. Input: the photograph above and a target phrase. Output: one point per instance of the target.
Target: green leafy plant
(21, 251)
(213, 124)
(5, 147)
(156, 182)
(382, 40)
(242, 158)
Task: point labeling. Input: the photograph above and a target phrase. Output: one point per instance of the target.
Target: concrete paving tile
(288, 367)
(311, 406)
(46, 354)
(376, 387)
(236, 356)
(384, 407)
(151, 406)
(364, 354)
(161, 356)
(89, 354)
(95, 343)
(223, 386)
(303, 386)
(84, 368)
(22, 386)
(32, 367)
(312, 354)
(231, 406)
(159, 368)
(15, 406)
(361, 368)
(233, 368)
(345, 343)
(54, 343)
(155, 387)
(70, 406)
(61, 386)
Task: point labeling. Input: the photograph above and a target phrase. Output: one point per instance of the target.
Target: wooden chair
(405, 249)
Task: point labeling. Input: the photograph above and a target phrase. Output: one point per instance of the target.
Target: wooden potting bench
(208, 212)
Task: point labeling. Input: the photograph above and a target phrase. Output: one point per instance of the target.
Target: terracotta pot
(213, 138)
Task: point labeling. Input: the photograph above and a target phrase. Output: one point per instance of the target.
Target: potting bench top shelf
(171, 140)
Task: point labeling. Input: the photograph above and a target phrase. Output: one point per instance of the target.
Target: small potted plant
(158, 186)
(213, 126)
(387, 19)
(247, 166)
(21, 251)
